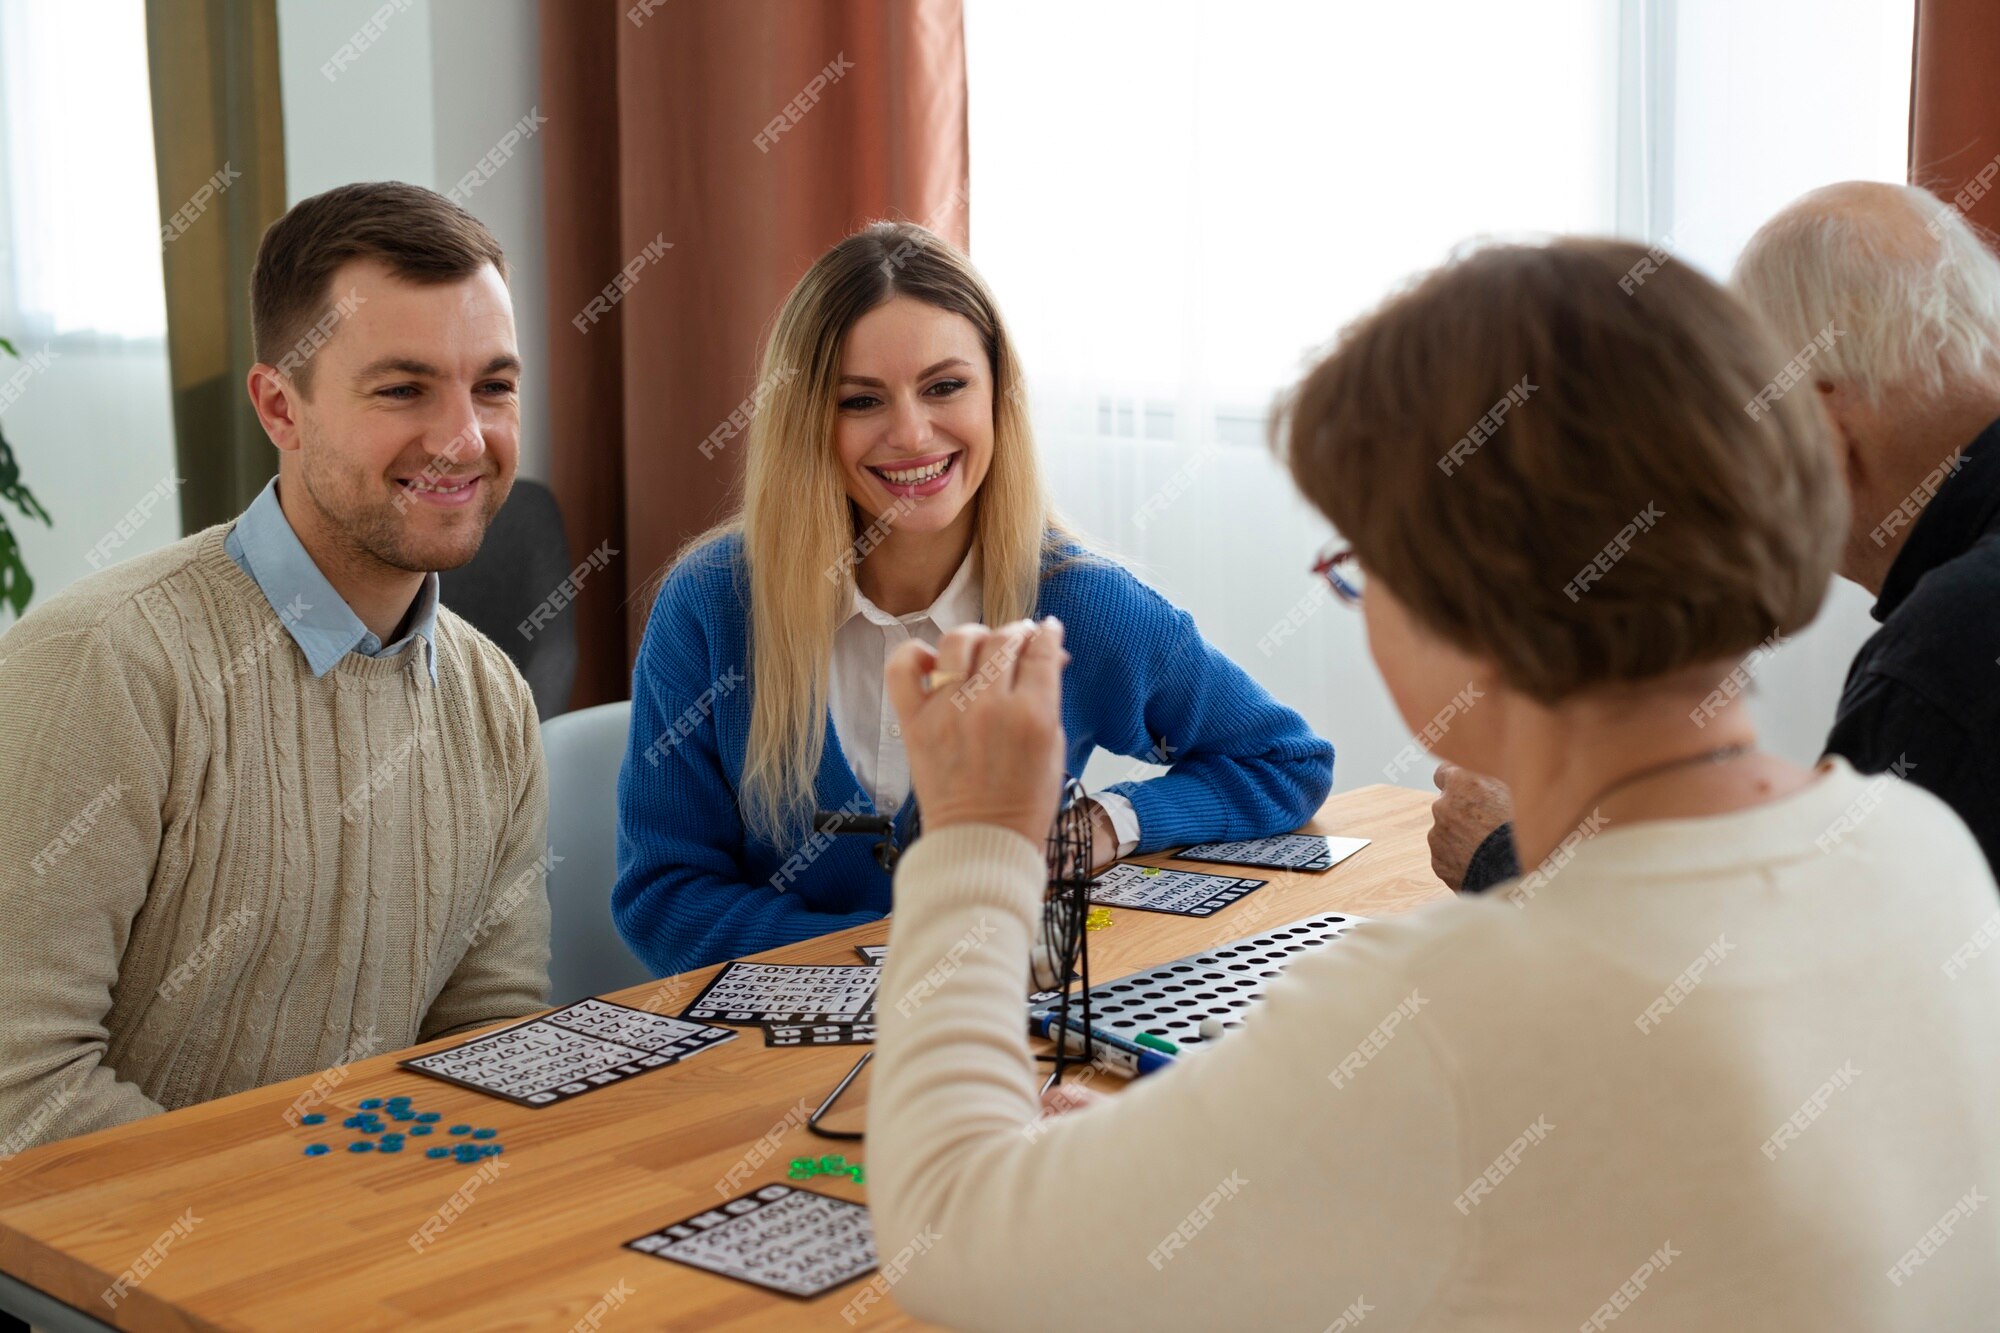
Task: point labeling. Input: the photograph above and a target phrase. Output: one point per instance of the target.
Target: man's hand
(986, 745)
(1469, 807)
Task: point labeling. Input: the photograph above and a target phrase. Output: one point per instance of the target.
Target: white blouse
(865, 720)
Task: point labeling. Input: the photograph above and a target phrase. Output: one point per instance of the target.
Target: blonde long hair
(800, 531)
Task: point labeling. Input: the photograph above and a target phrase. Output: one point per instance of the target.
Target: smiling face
(914, 425)
(405, 447)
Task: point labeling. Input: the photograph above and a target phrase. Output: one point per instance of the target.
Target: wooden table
(287, 1242)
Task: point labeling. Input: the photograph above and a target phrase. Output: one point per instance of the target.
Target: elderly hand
(1064, 1098)
(985, 745)
(1469, 807)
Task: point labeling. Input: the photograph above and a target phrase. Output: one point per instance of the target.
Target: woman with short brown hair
(1723, 1060)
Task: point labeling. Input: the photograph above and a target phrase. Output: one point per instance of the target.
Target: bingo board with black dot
(1291, 851)
(794, 994)
(1217, 986)
(781, 1238)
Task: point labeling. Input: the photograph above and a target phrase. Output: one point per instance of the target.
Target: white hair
(1913, 304)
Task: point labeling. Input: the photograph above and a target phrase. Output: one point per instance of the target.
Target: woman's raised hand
(982, 724)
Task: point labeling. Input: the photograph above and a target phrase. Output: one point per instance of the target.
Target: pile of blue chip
(376, 1136)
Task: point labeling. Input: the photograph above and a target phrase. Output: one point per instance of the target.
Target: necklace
(1722, 754)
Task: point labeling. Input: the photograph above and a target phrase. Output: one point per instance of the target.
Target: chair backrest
(506, 590)
(587, 957)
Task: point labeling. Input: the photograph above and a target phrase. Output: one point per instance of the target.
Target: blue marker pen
(1120, 1055)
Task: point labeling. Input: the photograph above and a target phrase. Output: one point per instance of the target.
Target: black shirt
(1923, 696)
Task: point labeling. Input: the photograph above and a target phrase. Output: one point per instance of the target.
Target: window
(79, 211)
(1177, 204)
(82, 297)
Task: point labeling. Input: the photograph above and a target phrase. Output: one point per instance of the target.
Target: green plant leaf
(13, 491)
(16, 587)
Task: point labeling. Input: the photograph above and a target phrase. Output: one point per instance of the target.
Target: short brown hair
(421, 235)
(1569, 459)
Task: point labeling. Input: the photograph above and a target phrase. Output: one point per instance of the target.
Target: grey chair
(587, 957)
(522, 562)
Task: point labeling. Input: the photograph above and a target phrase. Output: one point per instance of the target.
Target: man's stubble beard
(372, 526)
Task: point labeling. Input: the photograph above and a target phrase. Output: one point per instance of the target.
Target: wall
(425, 93)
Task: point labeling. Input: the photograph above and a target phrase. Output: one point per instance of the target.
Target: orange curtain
(699, 155)
(1955, 106)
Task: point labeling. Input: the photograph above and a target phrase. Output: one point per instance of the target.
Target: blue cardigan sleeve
(682, 899)
(1242, 764)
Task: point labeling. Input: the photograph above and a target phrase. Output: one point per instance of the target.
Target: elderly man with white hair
(1898, 299)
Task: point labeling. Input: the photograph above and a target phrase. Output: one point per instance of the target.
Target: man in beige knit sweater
(271, 808)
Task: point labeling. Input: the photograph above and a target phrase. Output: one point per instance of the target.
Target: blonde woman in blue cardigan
(891, 494)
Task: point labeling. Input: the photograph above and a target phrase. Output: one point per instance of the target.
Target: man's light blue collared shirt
(322, 624)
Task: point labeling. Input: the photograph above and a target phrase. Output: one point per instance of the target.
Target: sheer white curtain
(1178, 203)
(1771, 99)
(81, 295)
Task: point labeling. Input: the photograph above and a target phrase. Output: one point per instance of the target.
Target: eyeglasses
(1343, 572)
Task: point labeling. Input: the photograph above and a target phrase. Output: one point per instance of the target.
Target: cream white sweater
(217, 871)
(1731, 1073)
